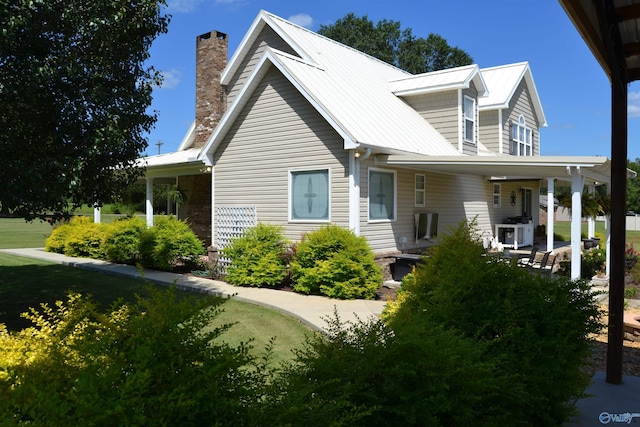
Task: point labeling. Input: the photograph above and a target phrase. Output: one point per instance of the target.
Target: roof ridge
(315, 34)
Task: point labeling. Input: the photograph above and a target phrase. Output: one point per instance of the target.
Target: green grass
(18, 233)
(564, 229)
(26, 283)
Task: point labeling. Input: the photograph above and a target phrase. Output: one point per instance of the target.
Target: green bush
(366, 374)
(258, 257)
(122, 240)
(168, 243)
(533, 329)
(58, 237)
(84, 238)
(150, 363)
(333, 261)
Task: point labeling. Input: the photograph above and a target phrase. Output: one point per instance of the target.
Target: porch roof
(178, 163)
(593, 168)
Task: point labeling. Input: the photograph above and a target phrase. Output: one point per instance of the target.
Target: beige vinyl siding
(521, 104)
(267, 38)
(279, 131)
(489, 130)
(440, 110)
(454, 198)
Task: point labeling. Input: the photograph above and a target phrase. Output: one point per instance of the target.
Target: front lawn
(26, 282)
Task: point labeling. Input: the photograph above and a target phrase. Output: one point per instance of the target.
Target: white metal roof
(185, 162)
(349, 88)
(502, 82)
(448, 79)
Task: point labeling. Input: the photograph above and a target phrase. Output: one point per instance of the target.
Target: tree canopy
(388, 42)
(74, 90)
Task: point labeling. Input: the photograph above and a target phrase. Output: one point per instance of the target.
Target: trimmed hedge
(258, 257)
(164, 246)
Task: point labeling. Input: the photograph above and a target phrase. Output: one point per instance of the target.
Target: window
(521, 138)
(497, 195)
(382, 195)
(309, 195)
(469, 111)
(527, 202)
(419, 190)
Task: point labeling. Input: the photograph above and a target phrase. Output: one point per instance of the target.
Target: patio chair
(547, 270)
(528, 260)
(538, 267)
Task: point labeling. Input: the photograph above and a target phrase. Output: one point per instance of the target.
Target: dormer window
(469, 112)
(521, 138)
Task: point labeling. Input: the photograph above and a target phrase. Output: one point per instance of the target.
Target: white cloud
(302, 19)
(171, 78)
(633, 104)
(182, 6)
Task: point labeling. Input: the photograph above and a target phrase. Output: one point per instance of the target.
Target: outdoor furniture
(548, 269)
(538, 267)
(403, 265)
(528, 260)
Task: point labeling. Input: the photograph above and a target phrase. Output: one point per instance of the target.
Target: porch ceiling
(593, 168)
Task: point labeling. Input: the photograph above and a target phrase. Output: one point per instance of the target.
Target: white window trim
(395, 195)
(527, 132)
(472, 118)
(289, 201)
(499, 194)
(417, 190)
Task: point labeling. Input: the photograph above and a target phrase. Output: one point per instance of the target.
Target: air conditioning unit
(426, 225)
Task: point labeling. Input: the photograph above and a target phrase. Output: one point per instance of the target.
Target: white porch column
(96, 213)
(577, 183)
(591, 221)
(354, 192)
(149, 202)
(550, 213)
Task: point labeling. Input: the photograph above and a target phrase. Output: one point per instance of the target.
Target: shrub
(333, 261)
(150, 363)
(366, 374)
(533, 329)
(84, 238)
(122, 240)
(168, 243)
(58, 237)
(592, 262)
(257, 257)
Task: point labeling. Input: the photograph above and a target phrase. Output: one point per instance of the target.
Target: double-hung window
(309, 195)
(469, 112)
(382, 195)
(521, 138)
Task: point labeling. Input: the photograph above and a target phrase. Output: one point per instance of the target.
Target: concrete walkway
(309, 309)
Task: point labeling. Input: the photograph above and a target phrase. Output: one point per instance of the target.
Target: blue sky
(574, 91)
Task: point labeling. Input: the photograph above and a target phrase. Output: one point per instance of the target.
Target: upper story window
(469, 112)
(521, 138)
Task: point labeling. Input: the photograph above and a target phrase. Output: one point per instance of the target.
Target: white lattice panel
(231, 222)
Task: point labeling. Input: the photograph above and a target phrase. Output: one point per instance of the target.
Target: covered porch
(578, 172)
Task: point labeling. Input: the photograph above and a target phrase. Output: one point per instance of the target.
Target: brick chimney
(212, 51)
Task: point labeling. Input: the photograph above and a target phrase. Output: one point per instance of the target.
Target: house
(299, 130)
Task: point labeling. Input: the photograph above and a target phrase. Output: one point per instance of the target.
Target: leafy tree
(388, 42)
(633, 187)
(74, 90)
